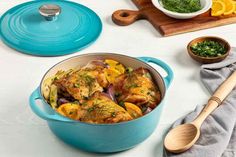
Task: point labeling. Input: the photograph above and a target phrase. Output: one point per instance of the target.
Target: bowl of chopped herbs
(208, 49)
(182, 9)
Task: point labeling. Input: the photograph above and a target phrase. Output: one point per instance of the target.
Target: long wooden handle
(220, 94)
(126, 17)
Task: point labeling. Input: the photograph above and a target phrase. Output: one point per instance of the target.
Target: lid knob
(50, 11)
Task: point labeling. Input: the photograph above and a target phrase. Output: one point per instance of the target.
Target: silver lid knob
(50, 11)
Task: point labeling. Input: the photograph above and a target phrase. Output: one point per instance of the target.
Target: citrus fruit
(116, 65)
(111, 74)
(69, 110)
(229, 7)
(218, 8)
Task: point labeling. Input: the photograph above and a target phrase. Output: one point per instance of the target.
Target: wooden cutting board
(165, 25)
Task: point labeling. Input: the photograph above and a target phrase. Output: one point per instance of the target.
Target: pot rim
(108, 124)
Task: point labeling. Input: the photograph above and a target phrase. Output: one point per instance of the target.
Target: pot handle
(170, 75)
(56, 117)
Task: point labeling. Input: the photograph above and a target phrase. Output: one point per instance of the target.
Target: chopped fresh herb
(76, 85)
(113, 114)
(122, 103)
(143, 109)
(85, 98)
(117, 94)
(129, 70)
(208, 48)
(182, 6)
(91, 109)
(147, 75)
(134, 85)
(88, 79)
(56, 78)
(84, 104)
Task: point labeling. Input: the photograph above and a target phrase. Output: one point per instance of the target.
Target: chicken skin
(101, 109)
(137, 87)
(83, 83)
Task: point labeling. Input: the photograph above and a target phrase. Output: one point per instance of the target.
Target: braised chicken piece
(101, 109)
(137, 87)
(83, 83)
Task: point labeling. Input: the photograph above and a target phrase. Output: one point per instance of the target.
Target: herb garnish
(182, 6)
(148, 75)
(113, 114)
(134, 85)
(117, 94)
(84, 104)
(76, 85)
(91, 109)
(208, 48)
(88, 79)
(122, 104)
(129, 70)
(143, 108)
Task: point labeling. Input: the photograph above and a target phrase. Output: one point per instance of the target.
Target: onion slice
(148, 110)
(111, 92)
(92, 64)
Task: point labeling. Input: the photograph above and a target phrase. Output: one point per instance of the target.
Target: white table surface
(23, 134)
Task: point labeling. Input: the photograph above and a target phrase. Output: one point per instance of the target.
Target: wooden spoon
(182, 137)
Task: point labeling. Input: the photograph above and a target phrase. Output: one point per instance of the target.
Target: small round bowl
(207, 60)
(206, 5)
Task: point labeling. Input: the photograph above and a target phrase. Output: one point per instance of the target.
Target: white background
(23, 134)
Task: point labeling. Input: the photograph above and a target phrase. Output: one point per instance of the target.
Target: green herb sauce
(182, 6)
(208, 48)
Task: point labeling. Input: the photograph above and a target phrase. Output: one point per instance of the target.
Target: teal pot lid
(49, 27)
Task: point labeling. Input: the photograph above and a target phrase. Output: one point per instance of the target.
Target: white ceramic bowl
(206, 5)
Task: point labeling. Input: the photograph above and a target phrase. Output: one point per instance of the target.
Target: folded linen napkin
(218, 132)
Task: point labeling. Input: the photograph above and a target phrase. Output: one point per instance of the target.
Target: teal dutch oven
(103, 138)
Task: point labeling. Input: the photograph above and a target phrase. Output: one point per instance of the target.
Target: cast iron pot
(103, 138)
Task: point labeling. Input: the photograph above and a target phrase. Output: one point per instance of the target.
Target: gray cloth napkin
(218, 132)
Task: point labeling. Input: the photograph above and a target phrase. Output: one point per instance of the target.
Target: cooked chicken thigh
(137, 87)
(83, 83)
(101, 109)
